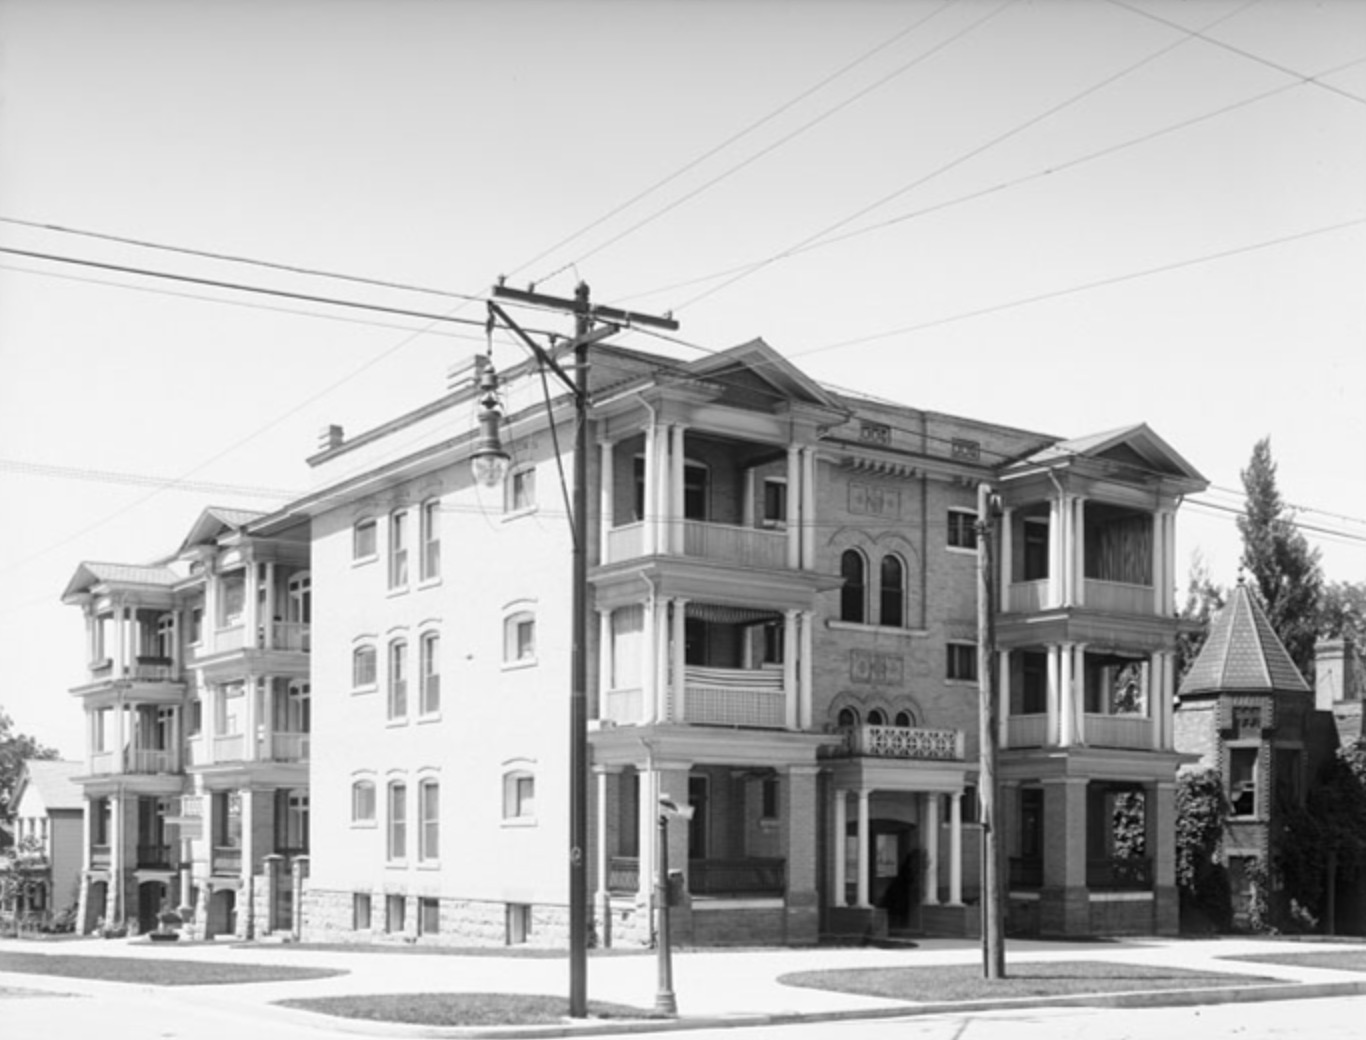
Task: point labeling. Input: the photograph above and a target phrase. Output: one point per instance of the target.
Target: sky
(1059, 216)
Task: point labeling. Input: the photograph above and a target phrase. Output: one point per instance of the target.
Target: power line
(231, 258)
(88, 475)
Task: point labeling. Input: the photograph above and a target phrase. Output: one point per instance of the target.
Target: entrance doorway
(894, 874)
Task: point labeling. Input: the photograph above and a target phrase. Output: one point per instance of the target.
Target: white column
(1005, 552)
(120, 735)
(646, 816)
(680, 686)
(1079, 693)
(1147, 670)
(1056, 569)
(250, 691)
(1079, 551)
(839, 896)
(1003, 684)
(1169, 563)
(805, 676)
(790, 668)
(862, 879)
(1054, 696)
(747, 506)
(808, 517)
(676, 524)
(1159, 563)
(601, 836)
(956, 848)
(606, 662)
(664, 508)
(661, 660)
(930, 894)
(650, 506)
(114, 907)
(1168, 698)
(794, 484)
(1067, 734)
(649, 650)
(119, 623)
(606, 500)
(268, 622)
(209, 629)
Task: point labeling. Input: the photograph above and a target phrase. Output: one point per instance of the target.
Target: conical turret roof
(1243, 653)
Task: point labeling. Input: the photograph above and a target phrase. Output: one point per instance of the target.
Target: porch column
(1079, 693)
(606, 663)
(1151, 702)
(1162, 849)
(794, 483)
(251, 694)
(805, 677)
(680, 684)
(115, 904)
(1064, 856)
(120, 634)
(929, 888)
(800, 814)
(649, 648)
(246, 896)
(650, 507)
(808, 517)
(747, 503)
(665, 509)
(862, 901)
(1159, 563)
(1078, 550)
(606, 499)
(268, 622)
(1003, 685)
(1067, 703)
(208, 627)
(660, 664)
(1167, 697)
(1054, 696)
(647, 832)
(1005, 553)
(790, 668)
(676, 509)
(1056, 570)
(956, 848)
(840, 896)
(603, 897)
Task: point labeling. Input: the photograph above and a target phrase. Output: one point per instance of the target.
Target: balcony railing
(136, 761)
(143, 669)
(624, 707)
(1127, 874)
(285, 747)
(725, 543)
(1117, 597)
(229, 637)
(230, 748)
(1026, 731)
(1119, 731)
(905, 742)
(286, 635)
(1026, 597)
(227, 859)
(100, 857)
(735, 697)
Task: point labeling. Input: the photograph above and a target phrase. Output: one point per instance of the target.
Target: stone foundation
(329, 916)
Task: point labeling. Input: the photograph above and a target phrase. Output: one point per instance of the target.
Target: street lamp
(489, 461)
(665, 1003)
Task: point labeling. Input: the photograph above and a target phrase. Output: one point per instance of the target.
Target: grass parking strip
(940, 984)
(149, 972)
(458, 1009)
(1339, 960)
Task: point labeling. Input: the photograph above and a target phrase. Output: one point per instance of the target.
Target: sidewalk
(712, 987)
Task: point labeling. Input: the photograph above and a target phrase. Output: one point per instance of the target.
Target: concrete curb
(1249, 994)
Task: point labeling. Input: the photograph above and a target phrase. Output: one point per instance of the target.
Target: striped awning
(721, 614)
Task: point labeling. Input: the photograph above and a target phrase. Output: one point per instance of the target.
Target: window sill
(429, 583)
(361, 561)
(397, 590)
(514, 666)
(396, 864)
(429, 864)
(358, 690)
(434, 716)
(519, 821)
(517, 514)
(396, 723)
(859, 626)
(962, 550)
(364, 825)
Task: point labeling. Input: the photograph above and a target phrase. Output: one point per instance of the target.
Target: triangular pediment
(758, 375)
(1134, 447)
(214, 521)
(90, 575)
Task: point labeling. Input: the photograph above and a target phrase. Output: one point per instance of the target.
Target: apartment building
(782, 585)
(197, 721)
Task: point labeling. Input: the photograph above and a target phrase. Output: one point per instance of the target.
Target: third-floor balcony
(908, 742)
(750, 697)
(136, 761)
(724, 543)
(236, 749)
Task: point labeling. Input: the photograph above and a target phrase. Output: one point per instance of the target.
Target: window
(521, 490)
(428, 916)
(962, 529)
(519, 638)
(770, 798)
(398, 679)
(194, 718)
(904, 719)
(360, 911)
(877, 717)
(852, 598)
(775, 503)
(431, 540)
(364, 541)
(773, 642)
(892, 592)
(196, 633)
(363, 802)
(1242, 780)
(394, 910)
(398, 821)
(519, 796)
(363, 666)
(234, 598)
(518, 923)
(962, 662)
(398, 550)
(429, 820)
(695, 483)
(291, 821)
(1035, 548)
(430, 665)
(847, 719)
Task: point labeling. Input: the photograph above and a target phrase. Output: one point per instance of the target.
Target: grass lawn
(938, 984)
(459, 1009)
(155, 972)
(1342, 960)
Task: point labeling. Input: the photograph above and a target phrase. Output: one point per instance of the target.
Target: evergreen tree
(1283, 566)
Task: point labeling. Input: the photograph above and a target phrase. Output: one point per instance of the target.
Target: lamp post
(489, 462)
(665, 1002)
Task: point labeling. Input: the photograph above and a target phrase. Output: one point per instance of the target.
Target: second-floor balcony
(134, 760)
(141, 669)
(750, 697)
(1111, 597)
(908, 742)
(234, 748)
(1131, 732)
(723, 543)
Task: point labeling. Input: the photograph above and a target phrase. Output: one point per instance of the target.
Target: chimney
(1336, 677)
(330, 437)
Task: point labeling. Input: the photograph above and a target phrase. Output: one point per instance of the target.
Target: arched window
(892, 592)
(877, 717)
(363, 801)
(847, 719)
(363, 666)
(519, 795)
(905, 720)
(853, 596)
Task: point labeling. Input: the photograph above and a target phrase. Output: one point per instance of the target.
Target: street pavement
(712, 987)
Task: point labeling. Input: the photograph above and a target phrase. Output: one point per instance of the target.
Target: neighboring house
(197, 708)
(1340, 685)
(47, 829)
(1245, 710)
(783, 602)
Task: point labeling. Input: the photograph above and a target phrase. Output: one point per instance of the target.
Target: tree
(1201, 880)
(1203, 600)
(1277, 555)
(1343, 612)
(15, 750)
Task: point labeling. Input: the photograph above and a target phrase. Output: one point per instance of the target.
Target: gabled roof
(214, 520)
(53, 780)
(1242, 653)
(761, 359)
(1136, 446)
(90, 574)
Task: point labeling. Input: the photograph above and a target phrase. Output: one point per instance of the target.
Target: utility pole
(585, 312)
(993, 944)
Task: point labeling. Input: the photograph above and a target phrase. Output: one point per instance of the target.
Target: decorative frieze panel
(870, 666)
(874, 500)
